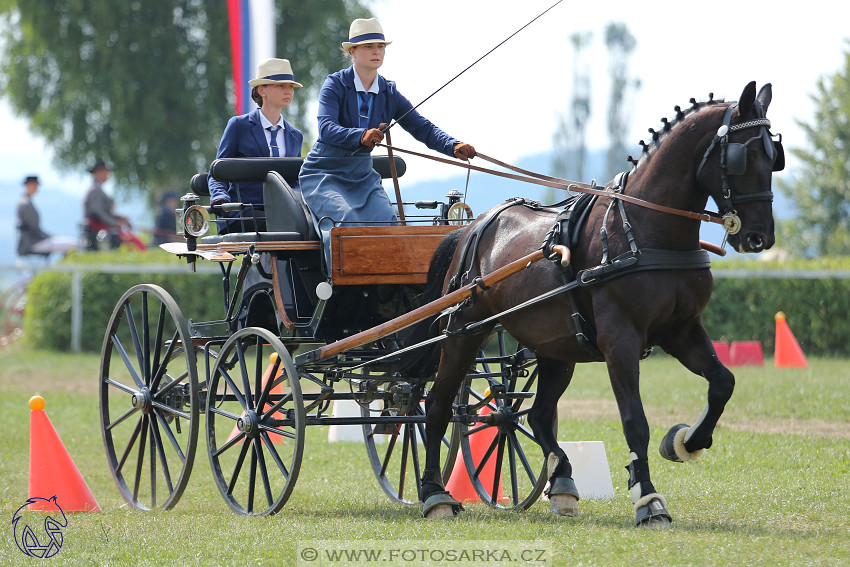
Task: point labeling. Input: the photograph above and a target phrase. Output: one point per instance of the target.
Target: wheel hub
(248, 423)
(142, 399)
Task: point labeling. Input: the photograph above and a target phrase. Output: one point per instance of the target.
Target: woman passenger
(263, 132)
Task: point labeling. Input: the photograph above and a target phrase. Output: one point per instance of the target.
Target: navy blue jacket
(244, 137)
(339, 114)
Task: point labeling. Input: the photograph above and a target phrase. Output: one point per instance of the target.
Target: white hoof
(563, 504)
(441, 511)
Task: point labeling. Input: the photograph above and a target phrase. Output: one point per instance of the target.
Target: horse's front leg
(694, 350)
(622, 357)
(457, 356)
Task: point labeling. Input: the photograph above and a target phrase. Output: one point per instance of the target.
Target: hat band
(281, 77)
(365, 36)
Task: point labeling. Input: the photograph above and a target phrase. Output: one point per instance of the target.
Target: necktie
(273, 142)
(365, 100)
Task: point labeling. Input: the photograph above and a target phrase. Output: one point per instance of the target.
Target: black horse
(640, 280)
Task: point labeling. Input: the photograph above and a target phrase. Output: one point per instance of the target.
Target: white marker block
(590, 468)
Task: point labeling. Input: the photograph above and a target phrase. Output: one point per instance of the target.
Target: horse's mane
(668, 125)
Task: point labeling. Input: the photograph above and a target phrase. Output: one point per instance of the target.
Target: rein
(558, 183)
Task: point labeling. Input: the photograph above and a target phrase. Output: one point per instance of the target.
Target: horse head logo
(43, 545)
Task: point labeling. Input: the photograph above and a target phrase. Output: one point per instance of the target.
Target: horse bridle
(733, 161)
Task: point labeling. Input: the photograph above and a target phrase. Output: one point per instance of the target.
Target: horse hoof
(441, 511)
(564, 504)
(656, 524)
(673, 445)
(650, 512)
(441, 505)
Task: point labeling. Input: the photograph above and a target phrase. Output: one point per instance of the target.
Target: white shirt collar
(358, 84)
(267, 123)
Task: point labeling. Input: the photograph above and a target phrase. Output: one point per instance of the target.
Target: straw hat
(364, 31)
(274, 72)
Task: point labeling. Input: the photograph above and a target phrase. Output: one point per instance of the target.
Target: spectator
(32, 241)
(165, 224)
(98, 210)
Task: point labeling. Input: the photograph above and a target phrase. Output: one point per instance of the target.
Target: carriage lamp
(456, 212)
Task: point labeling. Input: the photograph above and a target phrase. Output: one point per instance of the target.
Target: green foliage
(47, 319)
(821, 188)
(145, 85)
(620, 43)
(743, 309)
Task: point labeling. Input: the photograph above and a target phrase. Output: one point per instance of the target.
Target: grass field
(774, 489)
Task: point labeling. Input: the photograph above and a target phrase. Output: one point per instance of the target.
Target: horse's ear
(765, 96)
(747, 98)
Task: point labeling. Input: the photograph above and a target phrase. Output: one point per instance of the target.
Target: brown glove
(371, 137)
(464, 151)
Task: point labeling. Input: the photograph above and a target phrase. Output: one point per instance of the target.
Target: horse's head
(737, 168)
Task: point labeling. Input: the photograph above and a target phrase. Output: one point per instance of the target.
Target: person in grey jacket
(32, 241)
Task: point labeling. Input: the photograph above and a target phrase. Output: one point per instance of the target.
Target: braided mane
(657, 137)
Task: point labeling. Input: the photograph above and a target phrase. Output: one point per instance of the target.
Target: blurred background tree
(620, 43)
(820, 189)
(146, 85)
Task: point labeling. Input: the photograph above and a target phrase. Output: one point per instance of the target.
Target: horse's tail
(423, 361)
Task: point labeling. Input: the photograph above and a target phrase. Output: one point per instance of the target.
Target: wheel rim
(149, 398)
(503, 442)
(255, 426)
(396, 450)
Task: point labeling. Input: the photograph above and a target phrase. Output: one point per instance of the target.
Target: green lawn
(774, 489)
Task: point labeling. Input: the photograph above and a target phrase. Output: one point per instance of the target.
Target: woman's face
(369, 55)
(278, 94)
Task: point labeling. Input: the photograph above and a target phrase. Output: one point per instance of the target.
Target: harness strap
(539, 179)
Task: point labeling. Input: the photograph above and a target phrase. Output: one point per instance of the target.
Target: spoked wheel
(12, 303)
(149, 398)
(255, 422)
(396, 449)
(500, 452)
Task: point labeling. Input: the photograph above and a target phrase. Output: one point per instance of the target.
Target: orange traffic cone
(52, 471)
(788, 352)
(275, 437)
(460, 485)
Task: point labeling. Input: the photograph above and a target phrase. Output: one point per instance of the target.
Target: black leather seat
(286, 211)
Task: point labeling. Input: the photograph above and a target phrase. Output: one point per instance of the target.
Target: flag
(252, 39)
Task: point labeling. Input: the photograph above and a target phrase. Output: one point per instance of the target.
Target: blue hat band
(367, 36)
(281, 77)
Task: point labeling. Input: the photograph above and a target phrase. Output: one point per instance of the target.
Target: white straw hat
(364, 31)
(274, 71)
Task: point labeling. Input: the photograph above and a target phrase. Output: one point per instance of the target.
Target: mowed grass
(773, 490)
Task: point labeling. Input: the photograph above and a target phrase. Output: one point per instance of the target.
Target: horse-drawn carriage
(255, 373)
(296, 337)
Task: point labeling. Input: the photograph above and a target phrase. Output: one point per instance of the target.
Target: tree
(146, 85)
(620, 45)
(820, 190)
(570, 136)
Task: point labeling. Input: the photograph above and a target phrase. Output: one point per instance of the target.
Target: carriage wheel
(395, 451)
(503, 442)
(149, 398)
(255, 422)
(12, 304)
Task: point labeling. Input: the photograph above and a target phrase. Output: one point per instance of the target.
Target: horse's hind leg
(458, 354)
(553, 378)
(693, 349)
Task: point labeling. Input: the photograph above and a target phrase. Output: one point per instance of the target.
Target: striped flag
(252, 39)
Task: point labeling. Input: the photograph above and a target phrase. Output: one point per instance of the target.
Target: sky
(508, 105)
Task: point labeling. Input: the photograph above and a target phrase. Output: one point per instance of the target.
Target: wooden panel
(384, 254)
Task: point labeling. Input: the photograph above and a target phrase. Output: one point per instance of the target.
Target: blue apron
(343, 189)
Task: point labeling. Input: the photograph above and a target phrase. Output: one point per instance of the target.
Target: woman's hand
(464, 151)
(371, 137)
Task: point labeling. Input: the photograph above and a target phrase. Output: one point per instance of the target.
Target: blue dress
(339, 186)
